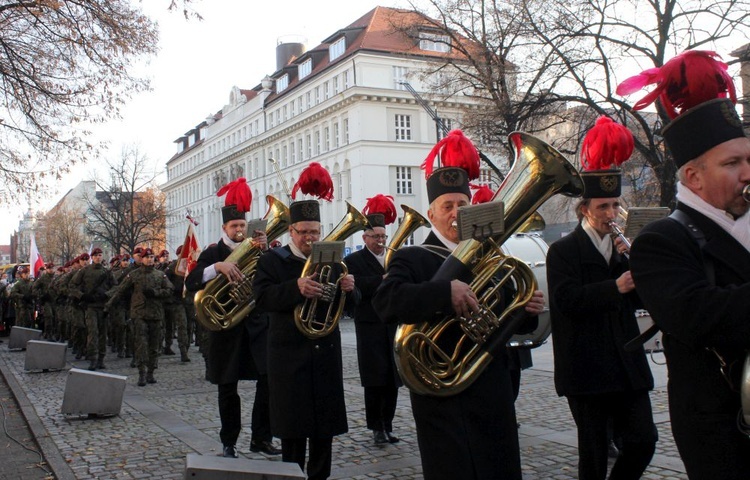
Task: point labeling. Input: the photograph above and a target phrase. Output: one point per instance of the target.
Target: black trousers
(380, 407)
(231, 415)
(319, 464)
(632, 419)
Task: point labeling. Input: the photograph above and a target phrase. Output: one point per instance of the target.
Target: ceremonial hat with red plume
(316, 181)
(482, 193)
(459, 160)
(380, 211)
(606, 146)
(237, 201)
(698, 94)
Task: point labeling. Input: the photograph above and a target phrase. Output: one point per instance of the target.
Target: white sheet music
(639, 217)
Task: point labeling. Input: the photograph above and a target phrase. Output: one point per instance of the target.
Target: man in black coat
(305, 375)
(238, 353)
(592, 308)
(472, 434)
(693, 274)
(377, 369)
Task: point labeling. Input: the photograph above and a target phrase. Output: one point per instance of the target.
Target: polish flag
(189, 253)
(35, 259)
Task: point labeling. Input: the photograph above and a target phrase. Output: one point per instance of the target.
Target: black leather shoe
(265, 446)
(229, 452)
(612, 450)
(392, 438)
(379, 437)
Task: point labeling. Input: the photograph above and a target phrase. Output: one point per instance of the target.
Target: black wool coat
(239, 353)
(592, 321)
(374, 337)
(472, 434)
(669, 273)
(305, 376)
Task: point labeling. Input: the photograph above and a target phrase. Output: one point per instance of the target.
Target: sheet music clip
(481, 221)
(327, 252)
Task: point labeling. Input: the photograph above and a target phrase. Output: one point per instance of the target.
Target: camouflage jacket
(146, 287)
(91, 283)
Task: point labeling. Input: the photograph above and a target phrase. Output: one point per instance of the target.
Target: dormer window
(282, 83)
(433, 42)
(305, 68)
(337, 49)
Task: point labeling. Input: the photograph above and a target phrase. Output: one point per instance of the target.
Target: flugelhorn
(222, 305)
(444, 358)
(306, 315)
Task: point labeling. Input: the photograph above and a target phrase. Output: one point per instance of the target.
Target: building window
(337, 49)
(307, 101)
(399, 77)
(282, 83)
(317, 142)
(403, 127)
(299, 148)
(293, 152)
(403, 181)
(433, 42)
(283, 113)
(308, 142)
(305, 68)
(326, 93)
(317, 95)
(299, 104)
(336, 139)
(346, 131)
(335, 85)
(345, 76)
(327, 139)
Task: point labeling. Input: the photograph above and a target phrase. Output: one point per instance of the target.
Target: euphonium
(305, 315)
(444, 358)
(223, 304)
(411, 222)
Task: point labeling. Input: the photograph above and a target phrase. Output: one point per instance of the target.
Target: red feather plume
(606, 144)
(382, 204)
(238, 194)
(483, 194)
(455, 150)
(687, 80)
(314, 180)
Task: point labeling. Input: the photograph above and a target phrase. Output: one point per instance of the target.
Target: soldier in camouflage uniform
(146, 287)
(118, 314)
(162, 262)
(76, 311)
(44, 299)
(61, 319)
(91, 284)
(22, 295)
(174, 313)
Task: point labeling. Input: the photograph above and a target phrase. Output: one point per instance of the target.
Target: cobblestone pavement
(160, 424)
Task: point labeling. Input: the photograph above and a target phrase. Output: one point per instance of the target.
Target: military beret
(147, 252)
(96, 251)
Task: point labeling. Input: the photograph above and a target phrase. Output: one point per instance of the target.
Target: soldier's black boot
(141, 378)
(168, 350)
(132, 362)
(100, 362)
(150, 377)
(92, 364)
(183, 355)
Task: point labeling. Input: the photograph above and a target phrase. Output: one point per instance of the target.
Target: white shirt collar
(450, 245)
(603, 245)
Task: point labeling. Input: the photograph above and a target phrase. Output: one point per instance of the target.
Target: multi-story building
(341, 104)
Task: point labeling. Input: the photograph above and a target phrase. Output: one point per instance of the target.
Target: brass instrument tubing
(616, 230)
(746, 193)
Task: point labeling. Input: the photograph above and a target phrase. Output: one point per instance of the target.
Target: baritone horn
(306, 315)
(412, 221)
(444, 358)
(222, 304)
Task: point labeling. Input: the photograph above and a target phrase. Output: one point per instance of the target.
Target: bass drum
(532, 249)
(653, 344)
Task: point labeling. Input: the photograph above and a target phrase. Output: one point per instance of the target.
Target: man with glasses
(377, 368)
(90, 284)
(305, 375)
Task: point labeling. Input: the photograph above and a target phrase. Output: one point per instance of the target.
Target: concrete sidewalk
(160, 424)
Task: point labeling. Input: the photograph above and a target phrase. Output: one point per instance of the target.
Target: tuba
(411, 222)
(224, 304)
(444, 358)
(306, 315)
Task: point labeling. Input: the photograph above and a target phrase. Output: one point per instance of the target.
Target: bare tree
(60, 236)
(64, 66)
(130, 210)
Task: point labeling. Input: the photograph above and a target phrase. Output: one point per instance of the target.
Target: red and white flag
(35, 260)
(189, 254)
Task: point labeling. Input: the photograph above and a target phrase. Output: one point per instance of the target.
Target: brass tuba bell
(222, 304)
(411, 222)
(444, 358)
(306, 315)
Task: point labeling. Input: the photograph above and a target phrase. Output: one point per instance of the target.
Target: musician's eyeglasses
(307, 233)
(378, 237)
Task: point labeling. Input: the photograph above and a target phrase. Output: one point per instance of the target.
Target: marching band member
(592, 308)
(238, 353)
(693, 271)
(377, 368)
(472, 434)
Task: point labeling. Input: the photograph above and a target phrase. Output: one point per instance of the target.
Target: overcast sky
(197, 66)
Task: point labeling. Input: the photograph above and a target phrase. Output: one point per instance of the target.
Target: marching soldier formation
(690, 271)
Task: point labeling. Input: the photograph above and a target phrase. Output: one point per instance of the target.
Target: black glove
(148, 292)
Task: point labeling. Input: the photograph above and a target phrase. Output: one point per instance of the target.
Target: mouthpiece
(746, 193)
(454, 225)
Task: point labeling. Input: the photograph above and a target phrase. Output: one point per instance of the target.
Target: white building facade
(341, 105)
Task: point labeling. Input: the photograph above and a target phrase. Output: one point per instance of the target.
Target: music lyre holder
(482, 221)
(639, 217)
(327, 252)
